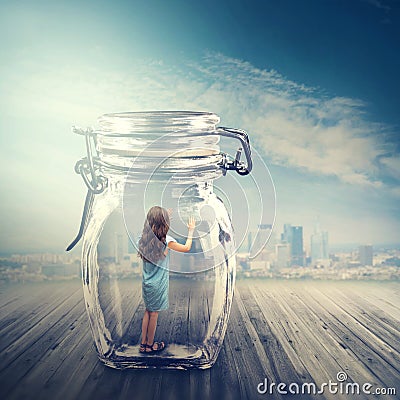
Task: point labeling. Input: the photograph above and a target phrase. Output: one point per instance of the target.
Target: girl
(153, 250)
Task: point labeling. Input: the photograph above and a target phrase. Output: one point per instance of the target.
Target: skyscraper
(287, 233)
(260, 240)
(282, 255)
(293, 235)
(120, 246)
(319, 246)
(365, 255)
(297, 246)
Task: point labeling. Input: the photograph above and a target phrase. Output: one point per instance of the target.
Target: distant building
(259, 265)
(260, 241)
(287, 234)
(193, 261)
(319, 246)
(365, 255)
(297, 252)
(121, 242)
(283, 257)
(293, 235)
(61, 270)
(114, 241)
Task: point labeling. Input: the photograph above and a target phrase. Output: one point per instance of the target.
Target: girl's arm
(184, 248)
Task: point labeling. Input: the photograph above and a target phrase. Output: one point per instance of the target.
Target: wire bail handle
(237, 165)
(90, 164)
(96, 184)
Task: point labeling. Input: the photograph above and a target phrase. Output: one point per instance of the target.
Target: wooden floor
(285, 331)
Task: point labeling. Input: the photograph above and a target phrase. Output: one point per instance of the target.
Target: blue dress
(155, 282)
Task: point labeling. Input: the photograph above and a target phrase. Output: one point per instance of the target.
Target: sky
(315, 83)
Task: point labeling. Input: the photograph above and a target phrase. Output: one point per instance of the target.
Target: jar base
(174, 356)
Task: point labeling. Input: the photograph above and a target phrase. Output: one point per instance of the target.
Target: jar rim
(164, 121)
(162, 113)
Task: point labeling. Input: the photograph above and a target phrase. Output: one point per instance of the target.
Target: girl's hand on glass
(191, 223)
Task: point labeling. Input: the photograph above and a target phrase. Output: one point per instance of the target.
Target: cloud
(393, 165)
(378, 4)
(296, 126)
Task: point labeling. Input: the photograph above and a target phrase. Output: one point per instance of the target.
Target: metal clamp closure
(236, 164)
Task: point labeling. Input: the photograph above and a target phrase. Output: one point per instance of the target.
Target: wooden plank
(353, 338)
(200, 384)
(39, 303)
(58, 381)
(121, 325)
(22, 355)
(31, 332)
(373, 319)
(138, 384)
(199, 312)
(14, 292)
(238, 371)
(176, 315)
(369, 328)
(224, 379)
(11, 297)
(376, 297)
(49, 374)
(87, 367)
(172, 384)
(292, 331)
(32, 312)
(285, 366)
(384, 302)
(98, 375)
(81, 366)
(306, 310)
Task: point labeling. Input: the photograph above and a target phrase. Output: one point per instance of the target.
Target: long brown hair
(152, 242)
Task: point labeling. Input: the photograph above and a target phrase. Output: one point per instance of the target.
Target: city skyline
(276, 236)
(283, 256)
(277, 260)
(316, 86)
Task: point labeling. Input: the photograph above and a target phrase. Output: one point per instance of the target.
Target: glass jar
(170, 159)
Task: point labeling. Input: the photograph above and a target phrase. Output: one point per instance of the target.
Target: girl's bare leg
(145, 324)
(151, 329)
